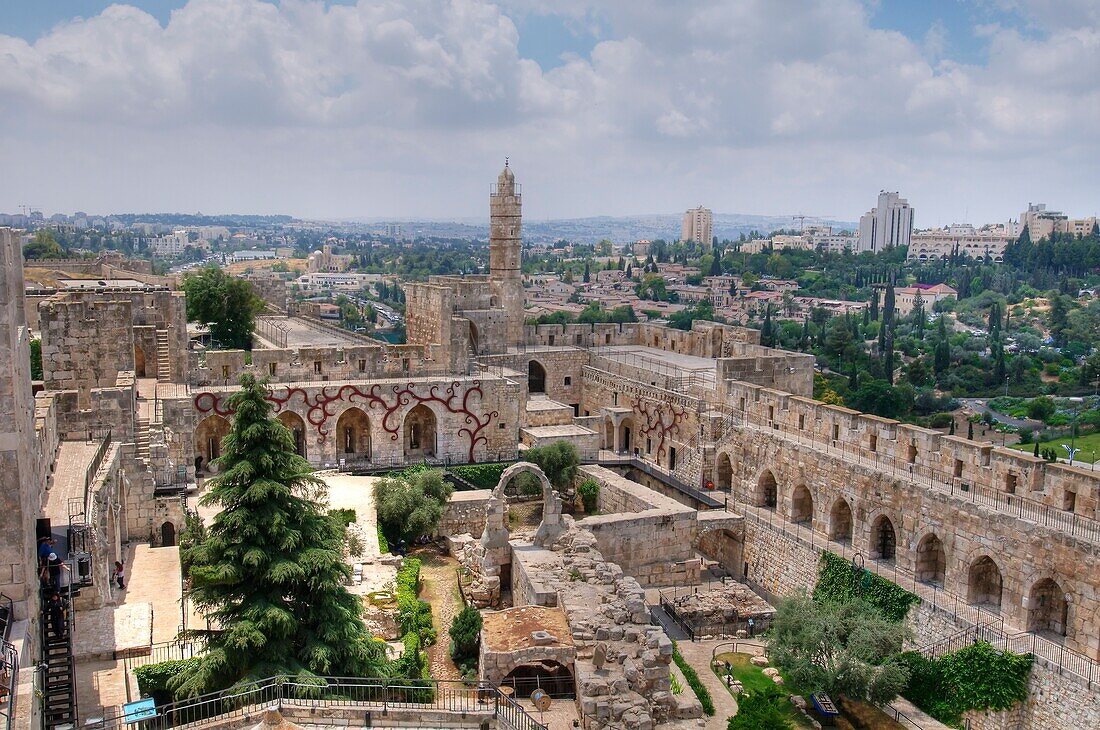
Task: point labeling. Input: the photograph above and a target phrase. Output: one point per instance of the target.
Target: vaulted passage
(420, 430)
(931, 560)
(767, 491)
(802, 506)
(297, 428)
(840, 522)
(1048, 609)
(353, 434)
(984, 583)
(208, 441)
(724, 473)
(884, 539)
(536, 377)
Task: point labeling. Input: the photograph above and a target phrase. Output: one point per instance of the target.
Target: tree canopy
(839, 647)
(224, 303)
(411, 504)
(43, 246)
(269, 572)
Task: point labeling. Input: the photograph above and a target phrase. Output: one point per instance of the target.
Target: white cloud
(406, 108)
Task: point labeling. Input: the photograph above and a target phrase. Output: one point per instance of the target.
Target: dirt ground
(439, 587)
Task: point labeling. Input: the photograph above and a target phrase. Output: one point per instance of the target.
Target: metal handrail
(353, 693)
(9, 673)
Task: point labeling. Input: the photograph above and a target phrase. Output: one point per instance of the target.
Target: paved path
(978, 405)
(697, 654)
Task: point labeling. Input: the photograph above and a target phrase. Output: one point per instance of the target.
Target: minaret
(505, 274)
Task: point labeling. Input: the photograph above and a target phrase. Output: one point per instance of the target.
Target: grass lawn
(1089, 445)
(752, 677)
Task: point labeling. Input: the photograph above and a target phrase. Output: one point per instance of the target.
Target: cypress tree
(767, 333)
(270, 572)
(970, 431)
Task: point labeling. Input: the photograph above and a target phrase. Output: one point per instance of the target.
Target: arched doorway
(724, 473)
(167, 535)
(208, 441)
(931, 560)
(297, 428)
(802, 506)
(1048, 609)
(474, 339)
(626, 432)
(419, 432)
(353, 434)
(536, 377)
(884, 539)
(767, 491)
(840, 522)
(553, 678)
(984, 583)
(139, 361)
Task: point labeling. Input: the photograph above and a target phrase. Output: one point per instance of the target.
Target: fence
(940, 480)
(332, 694)
(97, 461)
(1050, 653)
(9, 679)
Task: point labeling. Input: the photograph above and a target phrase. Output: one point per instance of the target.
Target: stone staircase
(142, 437)
(164, 366)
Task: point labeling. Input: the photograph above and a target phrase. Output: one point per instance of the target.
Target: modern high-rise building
(698, 226)
(887, 225)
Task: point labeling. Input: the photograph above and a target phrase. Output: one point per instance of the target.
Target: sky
(407, 108)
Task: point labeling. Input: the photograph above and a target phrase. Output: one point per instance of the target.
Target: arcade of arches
(208, 441)
(353, 434)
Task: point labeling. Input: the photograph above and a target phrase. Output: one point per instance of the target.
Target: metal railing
(671, 601)
(923, 475)
(9, 681)
(333, 694)
(1051, 653)
(97, 461)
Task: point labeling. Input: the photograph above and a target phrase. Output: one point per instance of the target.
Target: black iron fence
(363, 696)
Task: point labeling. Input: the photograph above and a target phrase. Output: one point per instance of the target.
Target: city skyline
(355, 111)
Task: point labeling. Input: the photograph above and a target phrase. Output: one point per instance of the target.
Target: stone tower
(21, 482)
(505, 275)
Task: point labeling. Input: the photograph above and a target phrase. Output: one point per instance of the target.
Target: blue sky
(406, 108)
(546, 37)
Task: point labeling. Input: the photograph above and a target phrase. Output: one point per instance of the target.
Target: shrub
(465, 635)
(589, 490)
(693, 680)
(153, 679)
(383, 543)
(343, 516)
(759, 711)
(558, 461)
(411, 505)
(413, 615)
(940, 420)
(482, 476)
(976, 677)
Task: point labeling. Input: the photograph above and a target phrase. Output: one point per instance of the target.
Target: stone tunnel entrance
(550, 676)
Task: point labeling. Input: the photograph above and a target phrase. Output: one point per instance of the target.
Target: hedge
(693, 680)
(153, 679)
(482, 476)
(837, 581)
(976, 677)
(413, 615)
(383, 543)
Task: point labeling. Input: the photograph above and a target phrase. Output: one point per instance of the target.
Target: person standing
(119, 575)
(52, 571)
(55, 613)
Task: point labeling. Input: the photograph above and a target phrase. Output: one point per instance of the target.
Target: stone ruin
(722, 610)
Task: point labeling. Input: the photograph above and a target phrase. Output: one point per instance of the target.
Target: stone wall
(1055, 702)
(85, 344)
(465, 513)
(79, 413)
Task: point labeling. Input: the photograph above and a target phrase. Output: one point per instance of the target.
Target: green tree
(759, 710)
(558, 461)
(465, 635)
(43, 246)
(269, 572)
(839, 647)
(36, 359)
(1041, 408)
(226, 304)
(411, 505)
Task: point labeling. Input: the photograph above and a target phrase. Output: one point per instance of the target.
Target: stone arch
(551, 504)
(208, 441)
(419, 431)
(1048, 608)
(840, 521)
(167, 535)
(723, 472)
(353, 434)
(139, 361)
(884, 539)
(548, 674)
(536, 377)
(984, 584)
(931, 560)
(767, 490)
(297, 427)
(802, 505)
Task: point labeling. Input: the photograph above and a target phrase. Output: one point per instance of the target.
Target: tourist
(51, 572)
(45, 547)
(55, 613)
(119, 575)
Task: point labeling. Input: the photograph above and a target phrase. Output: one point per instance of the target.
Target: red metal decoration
(656, 423)
(321, 406)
